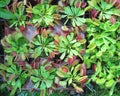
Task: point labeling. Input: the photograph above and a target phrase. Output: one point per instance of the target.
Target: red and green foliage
(53, 45)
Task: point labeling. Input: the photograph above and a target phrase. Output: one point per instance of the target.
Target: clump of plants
(61, 45)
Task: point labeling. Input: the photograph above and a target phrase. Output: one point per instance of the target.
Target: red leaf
(22, 64)
(8, 30)
(56, 42)
(94, 13)
(112, 19)
(106, 0)
(52, 54)
(13, 53)
(43, 31)
(83, 4)
(55, 65)
(117, 3)
(35, 64)
(83, 70)
(84, 80)
(94, 67)
(48, 67)
(22, 28)
(79, 37)
(30, 15)
(71, 60)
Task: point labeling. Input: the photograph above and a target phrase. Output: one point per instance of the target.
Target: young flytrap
(55, 44)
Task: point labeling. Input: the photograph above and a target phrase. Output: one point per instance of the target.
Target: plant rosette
(72, 76)
(16, 45)
(105, 9)
(14, 75)
(42, 45)
(69, 46)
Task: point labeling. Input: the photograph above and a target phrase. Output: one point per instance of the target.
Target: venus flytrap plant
(106, 77)
(74, 75)
(69, 46)
(105, 9)
(102, 52)
(42, 45)
(73, 14)
(103, 41)
(16, 45)
(43, 77)
(13, 75)
(43, 14)
(19, 15)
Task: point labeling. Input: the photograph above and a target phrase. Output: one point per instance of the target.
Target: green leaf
(94, 5)
(10, 70)
(105, 5)
(111, 40)
(70, 81)
(113, 12)
(63, 83)
(67, 10)
(18, 84)
(75, 52)
(3, 3)
(100, 81)
(109, 83)
(3, 67)
(63, 56)
(80, 12)
(42, 86)
(49, 83)
(35, 79)
(51, 9)
(77, 44)
(60, 74)
(91, 46)
(36, 85)
(98, 54)
(5, 14)
(36, 9)
(112, 89)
